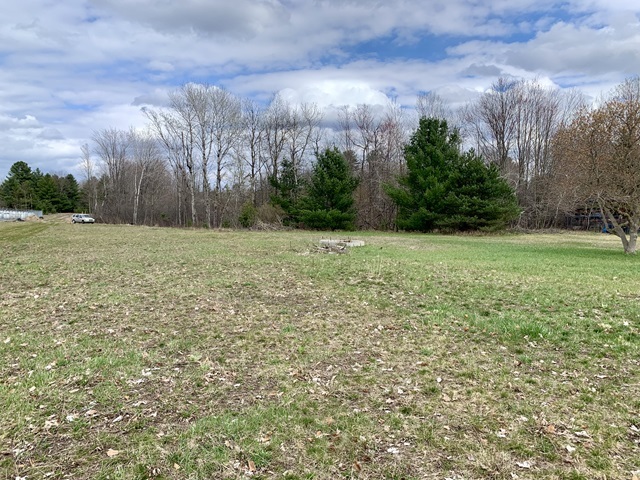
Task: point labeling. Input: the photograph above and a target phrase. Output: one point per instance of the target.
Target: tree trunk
(207, 196)
(136, 194)
(628, 243)
(630, 248)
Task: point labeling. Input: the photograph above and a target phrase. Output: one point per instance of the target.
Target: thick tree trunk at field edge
(628, 242)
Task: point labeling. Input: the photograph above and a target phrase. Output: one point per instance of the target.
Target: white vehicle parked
(82, 218)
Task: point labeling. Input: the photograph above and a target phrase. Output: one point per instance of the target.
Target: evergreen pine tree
(70, 194)
(447, 190)
(48, 194)
(328, 203)
(18, 190)
(287, 188)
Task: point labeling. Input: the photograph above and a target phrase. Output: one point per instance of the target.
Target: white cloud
(69, 68)
(567, 49)
(12, 123)
(334, 93)
(160, 66)
(237, 19)
(158, 97)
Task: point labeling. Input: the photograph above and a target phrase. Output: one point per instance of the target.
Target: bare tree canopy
(600, 160)
(432, 105)
(512, 125)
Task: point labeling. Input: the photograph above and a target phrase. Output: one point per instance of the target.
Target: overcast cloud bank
(72, 67)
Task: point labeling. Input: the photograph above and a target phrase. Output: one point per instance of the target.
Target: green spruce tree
(70, 194)
(447, 190)
(48, 194)
(287, 186)
(328, 203)
(18, 190)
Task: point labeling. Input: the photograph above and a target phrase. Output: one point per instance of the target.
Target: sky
(69, 68)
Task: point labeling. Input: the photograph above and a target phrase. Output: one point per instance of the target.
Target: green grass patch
(16, 232)
(131, 352)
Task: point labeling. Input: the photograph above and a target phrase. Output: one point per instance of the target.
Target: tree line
(26, 189)
(209, 154)
(212, 159)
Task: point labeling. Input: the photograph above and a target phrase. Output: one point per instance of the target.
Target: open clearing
(130, 352)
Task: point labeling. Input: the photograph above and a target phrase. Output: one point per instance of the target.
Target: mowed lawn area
(131, 352)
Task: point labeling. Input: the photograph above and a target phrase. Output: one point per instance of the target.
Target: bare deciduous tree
(374, 140)
(512, 125)
(111, 147)
(599, 160)
(304, 121)
(144, 156)
(181, 124)
(91, 187)
(277, 123)
(432, 105)
(491, 121)
(252, 137)
(175, 129)
(226, 128)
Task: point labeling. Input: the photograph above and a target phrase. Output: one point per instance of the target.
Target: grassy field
(131, 353)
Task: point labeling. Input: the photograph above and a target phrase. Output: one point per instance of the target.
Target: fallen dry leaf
(50, 423)
(112, 453)
(251, 466)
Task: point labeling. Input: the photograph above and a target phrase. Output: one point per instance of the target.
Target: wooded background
(209, 154)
